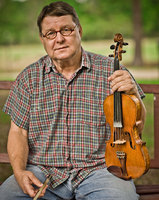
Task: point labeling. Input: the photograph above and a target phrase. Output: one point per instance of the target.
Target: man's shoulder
(99, 61)
(32, 72)
(34, 68)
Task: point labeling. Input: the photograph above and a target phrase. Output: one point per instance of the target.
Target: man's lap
(99, 185)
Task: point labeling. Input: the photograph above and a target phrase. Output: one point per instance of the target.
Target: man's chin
(62, 57)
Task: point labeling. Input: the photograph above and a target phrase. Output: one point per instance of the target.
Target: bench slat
(147, 189)
(5, 85)
(4, 158)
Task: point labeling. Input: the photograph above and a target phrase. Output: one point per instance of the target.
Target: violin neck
(116, 63)
(117, 102)
(118, 119)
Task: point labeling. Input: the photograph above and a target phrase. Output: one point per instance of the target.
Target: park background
(138, 22)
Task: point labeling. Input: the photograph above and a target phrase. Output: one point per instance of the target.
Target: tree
(136, 4)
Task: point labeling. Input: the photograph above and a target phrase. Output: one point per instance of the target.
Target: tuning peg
(112, 46)
(125, 43)
(122, 51)
(111, 55)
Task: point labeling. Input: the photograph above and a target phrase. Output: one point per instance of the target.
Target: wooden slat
(147, 189)
(149, 197)
(5, 85)
(4, 158)
(150, 88)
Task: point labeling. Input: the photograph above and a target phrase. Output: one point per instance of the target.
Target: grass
(148, 81)
(16, 57)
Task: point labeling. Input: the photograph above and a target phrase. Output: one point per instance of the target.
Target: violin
(126, 155)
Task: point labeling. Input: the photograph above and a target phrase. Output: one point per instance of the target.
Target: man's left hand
(122, 81)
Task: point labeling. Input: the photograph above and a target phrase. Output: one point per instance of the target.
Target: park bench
(146, 192)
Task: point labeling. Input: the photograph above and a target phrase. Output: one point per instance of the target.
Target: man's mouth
(60, 48)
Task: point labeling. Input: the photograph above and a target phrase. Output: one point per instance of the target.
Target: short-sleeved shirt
(64, 118)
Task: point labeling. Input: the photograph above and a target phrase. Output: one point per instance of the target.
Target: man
(57, 120)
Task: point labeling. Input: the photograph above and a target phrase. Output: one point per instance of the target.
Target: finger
(120, 76)
(140, 127)
(124, 86)
(43, 191)
(28, 188)
(35, 180)
(116, 74)
(29, 181)
(139, 122)
(40, 192)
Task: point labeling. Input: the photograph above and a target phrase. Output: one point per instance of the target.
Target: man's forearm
(17, 148)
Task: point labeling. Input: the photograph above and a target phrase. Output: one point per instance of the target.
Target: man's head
(60, 31)
(58, 8)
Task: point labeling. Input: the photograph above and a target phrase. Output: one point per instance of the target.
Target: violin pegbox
(118, 39)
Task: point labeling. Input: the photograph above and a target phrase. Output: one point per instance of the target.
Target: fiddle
(126, 155)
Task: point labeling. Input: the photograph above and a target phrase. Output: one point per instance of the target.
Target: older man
(57, 119)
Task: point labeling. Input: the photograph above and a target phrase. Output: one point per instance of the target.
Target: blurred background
(136, 20)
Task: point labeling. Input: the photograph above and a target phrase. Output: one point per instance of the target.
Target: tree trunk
(137, 32)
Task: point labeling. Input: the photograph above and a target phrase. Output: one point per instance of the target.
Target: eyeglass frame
(46, 36)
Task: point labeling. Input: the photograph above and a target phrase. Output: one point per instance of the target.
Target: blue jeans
(99, 185)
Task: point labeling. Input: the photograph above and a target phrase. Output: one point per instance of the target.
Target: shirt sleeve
(141, 93)
(18, 103)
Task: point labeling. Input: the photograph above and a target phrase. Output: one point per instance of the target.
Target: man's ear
(80, 30)
(41, 38)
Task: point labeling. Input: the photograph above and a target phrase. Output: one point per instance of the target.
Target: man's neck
(68, 67)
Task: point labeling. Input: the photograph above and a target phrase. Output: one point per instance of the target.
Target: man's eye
(51, 33)
(66, 29)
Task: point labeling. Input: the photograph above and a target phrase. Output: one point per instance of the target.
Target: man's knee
(10, 189)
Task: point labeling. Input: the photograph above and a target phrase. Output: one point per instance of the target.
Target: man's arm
(18, 153)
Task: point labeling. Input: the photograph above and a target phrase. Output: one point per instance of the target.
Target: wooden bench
(146, 192)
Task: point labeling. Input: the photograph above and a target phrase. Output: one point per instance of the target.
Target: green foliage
(150, 9)
(100, 19)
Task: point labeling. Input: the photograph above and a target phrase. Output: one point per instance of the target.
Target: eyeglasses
(64, 31)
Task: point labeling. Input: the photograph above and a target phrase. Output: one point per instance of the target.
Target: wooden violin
(126, 154)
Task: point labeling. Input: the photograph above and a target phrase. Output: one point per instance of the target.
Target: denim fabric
(99, 185)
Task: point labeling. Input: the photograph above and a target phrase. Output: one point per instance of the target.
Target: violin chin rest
(117, 171)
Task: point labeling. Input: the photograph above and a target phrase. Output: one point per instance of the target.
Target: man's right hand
(26, 180)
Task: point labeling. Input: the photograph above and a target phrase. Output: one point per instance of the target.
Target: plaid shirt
(64, 119)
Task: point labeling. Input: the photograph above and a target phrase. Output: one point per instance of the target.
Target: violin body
(126, 154)
(128, 158)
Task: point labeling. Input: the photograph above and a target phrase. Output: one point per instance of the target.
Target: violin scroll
(118, 39)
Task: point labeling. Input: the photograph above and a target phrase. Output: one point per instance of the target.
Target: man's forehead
(57, 21)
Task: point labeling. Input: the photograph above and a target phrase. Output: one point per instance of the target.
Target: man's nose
(59, 37)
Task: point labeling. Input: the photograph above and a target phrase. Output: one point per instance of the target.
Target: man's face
(61, 48)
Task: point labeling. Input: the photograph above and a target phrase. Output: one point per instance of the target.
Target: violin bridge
(119, 142)
(117, 124)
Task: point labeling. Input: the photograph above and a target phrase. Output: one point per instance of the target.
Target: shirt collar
(48, 64)
(85, 62)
